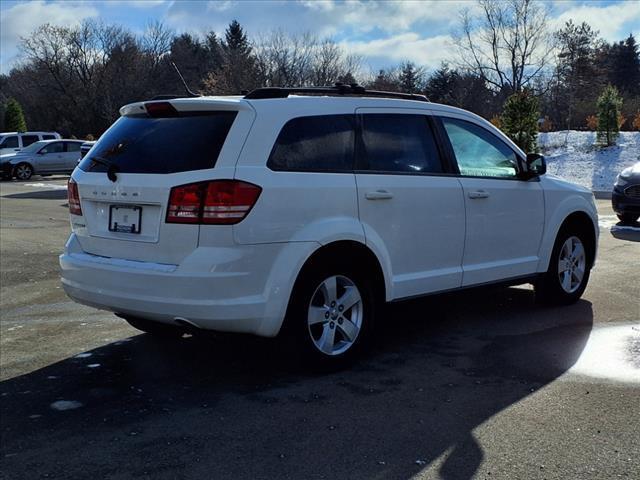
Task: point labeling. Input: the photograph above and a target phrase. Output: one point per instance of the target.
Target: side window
(323, 143)
(48, 137)
(56, 147)
(28, 140)
(73, 146)
(478, 152)
(10, 142)
(399, 143)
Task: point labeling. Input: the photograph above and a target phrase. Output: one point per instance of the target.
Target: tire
(628, 218)
(569, 270)
(156, 329)
(331, 315)
(23, 171)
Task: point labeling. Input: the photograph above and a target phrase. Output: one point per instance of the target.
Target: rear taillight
(74, 198)
(218, 202)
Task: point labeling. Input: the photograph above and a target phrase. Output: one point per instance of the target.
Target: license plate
(125, 218)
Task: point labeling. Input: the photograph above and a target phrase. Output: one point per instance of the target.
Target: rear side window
(10, 142)
(161, 145)
(49, 137)
(29, 139)
(398, 143)
(318, 143)
(73, 146)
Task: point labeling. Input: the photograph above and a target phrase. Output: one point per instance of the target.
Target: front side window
(398, 143)
(478, 152)
(28, 140)
(56, 147)
(318, 143)
(10, 142)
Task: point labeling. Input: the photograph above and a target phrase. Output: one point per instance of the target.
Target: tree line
(74, 79)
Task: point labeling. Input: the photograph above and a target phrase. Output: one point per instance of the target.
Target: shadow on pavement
(235, 407)
(626, 232)
(53, 194)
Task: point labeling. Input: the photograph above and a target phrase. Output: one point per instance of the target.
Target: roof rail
(352, 90)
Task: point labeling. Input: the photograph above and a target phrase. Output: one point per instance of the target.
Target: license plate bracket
(125, 218)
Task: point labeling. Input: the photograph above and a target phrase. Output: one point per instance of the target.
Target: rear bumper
(623, 204)
(243, 289)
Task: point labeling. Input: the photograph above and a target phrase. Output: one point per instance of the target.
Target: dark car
(626, 194)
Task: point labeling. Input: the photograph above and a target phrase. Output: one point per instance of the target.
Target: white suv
(303, 210)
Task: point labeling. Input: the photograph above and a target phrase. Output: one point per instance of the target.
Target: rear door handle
(479, 194)
(378, 195)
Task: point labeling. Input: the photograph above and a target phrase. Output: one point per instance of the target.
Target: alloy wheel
(571, 264)
(335, 315)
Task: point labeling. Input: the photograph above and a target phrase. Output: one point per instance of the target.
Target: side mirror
(536, 164)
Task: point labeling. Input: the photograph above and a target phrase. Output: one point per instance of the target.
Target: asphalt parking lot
(481, 384)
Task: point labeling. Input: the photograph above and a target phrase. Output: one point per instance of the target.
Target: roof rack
(352, 90)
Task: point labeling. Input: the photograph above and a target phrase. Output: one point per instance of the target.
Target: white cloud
(21, 19)
(610, 20)
(428, 52)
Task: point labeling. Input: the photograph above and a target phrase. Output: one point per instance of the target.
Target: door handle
(378, 195)
(479, 194)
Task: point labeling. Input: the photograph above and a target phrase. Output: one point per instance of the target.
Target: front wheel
(628, 218)
(331, 315)
(568, 273)
(23, 171)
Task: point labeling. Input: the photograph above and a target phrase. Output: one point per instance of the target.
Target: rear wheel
(569, 270)
(156, 329)
(628, 218)
(331, 315)
(23, 171)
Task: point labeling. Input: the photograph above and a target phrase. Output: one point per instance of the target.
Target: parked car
(626, 194)
(42, 158)
(286, 212)
(84, 149)
(11, 142)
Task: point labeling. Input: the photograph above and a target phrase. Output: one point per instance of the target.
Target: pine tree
(410, 77)
(519, 120)
(609, 105)
(13, 117)
(624, 66)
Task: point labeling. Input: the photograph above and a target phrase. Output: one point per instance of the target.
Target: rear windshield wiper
(112, 168)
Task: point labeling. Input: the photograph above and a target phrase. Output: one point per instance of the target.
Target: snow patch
(93, 365)
(572, 155)
(83, 355)
(613, 353)
(62, 405)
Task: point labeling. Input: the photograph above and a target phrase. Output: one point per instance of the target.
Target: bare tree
(507, 44)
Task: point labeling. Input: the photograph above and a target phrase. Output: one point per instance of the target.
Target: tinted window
(478, 152)
(48, 137)
(399, 143)
(322, 143)
(56, 147)
(161, 145)
(29, 139)
(73, 146)
(10, 142)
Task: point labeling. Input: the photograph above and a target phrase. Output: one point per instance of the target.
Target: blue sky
(385, 32)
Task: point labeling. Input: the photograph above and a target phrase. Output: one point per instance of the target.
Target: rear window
(161, 145)
(318, 143)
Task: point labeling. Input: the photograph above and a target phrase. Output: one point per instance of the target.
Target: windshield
(34, 147)
(160, 145)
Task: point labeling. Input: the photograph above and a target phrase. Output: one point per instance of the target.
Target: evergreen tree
(441, 85)
(410, 77)
(609, 105)
(519, 120)
(624, 66)
(13, 117)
